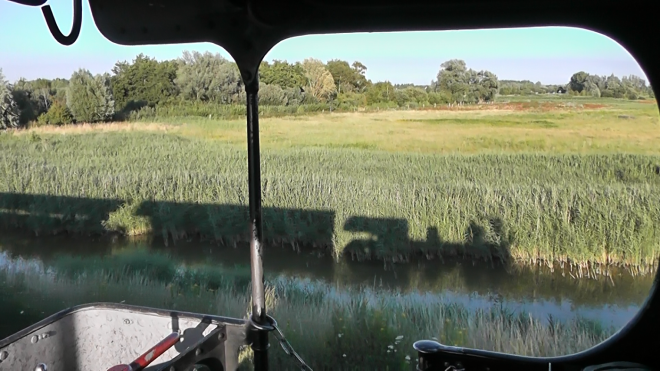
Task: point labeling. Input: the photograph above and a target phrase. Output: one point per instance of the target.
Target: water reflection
(540, 291)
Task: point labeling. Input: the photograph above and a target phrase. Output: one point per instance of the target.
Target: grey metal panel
(236, 337)
(96, 338)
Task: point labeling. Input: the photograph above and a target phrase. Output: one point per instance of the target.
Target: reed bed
(577, 209)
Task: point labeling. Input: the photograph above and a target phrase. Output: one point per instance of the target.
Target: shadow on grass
(387, 238)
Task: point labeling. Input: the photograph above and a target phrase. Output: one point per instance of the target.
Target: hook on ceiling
(55, 30)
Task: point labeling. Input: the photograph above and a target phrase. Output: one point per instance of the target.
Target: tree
(348, 79)
(295, 97)
(209, 78)
(598, 81)
(634, 82)
(613, 88)
(380, 92)
(417, 95)
(40, 92)
(401, 97)
(320, 83)
(466, 86)
(454, 65)
(488, 86)
(32, 97)
(43, 92)
(578, 81)
(9, 113)
(453, 77)
(271, 95)
(58, 114)
(28, 107)
(359, 68)
(410, 96)
(351, 100)
(89, 98)
(592, 89)
(342, 74)
(145, 82)
(282, 73)
(59, 88)
(362, 82)
(439, 97)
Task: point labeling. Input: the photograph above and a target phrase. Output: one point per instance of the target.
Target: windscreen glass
(492, 189)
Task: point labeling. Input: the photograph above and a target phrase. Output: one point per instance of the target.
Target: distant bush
(272, 95)
(185, 109)
(57, 114)
(439, 98)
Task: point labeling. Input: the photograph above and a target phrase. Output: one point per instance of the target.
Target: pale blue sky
(550, 55)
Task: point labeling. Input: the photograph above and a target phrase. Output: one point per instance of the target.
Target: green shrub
(58, 114)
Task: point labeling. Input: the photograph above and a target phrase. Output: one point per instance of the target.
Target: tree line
(204, 83)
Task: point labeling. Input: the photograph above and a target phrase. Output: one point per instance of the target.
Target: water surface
(559, 292)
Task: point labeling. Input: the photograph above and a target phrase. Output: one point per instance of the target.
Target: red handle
(155, 352)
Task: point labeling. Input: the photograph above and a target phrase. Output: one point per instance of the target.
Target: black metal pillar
(259, 322)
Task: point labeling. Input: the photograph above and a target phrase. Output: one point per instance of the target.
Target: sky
(547, 54)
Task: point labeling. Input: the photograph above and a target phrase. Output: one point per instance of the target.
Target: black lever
(55, 30)
(433, 356)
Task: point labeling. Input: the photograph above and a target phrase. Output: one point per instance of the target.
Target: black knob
(425, 351)
(427, 346)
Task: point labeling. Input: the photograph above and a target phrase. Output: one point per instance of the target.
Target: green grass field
(554, 180)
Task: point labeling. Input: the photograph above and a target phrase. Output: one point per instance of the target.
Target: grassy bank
(581, 188)
(332, 329)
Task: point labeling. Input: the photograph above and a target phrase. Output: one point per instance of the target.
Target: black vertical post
(259, 320)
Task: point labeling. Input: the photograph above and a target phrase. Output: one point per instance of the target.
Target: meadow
(333, 329)
(568, 180)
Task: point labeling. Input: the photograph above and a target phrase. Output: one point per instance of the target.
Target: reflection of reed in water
(461, 276)
(325, 324)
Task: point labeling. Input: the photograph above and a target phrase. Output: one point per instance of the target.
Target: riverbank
(510, 202)
(349, 326)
